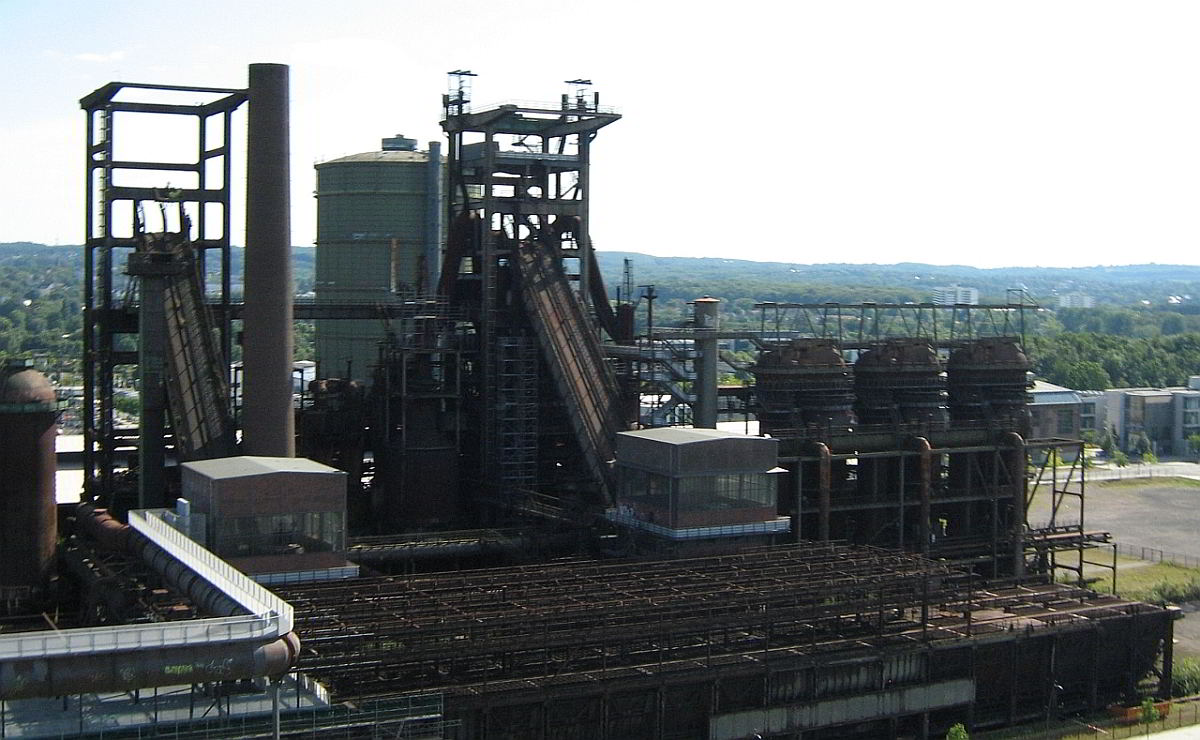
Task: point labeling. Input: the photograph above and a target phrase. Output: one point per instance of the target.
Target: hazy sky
(1025, 132)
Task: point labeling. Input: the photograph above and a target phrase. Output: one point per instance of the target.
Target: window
(1066, 421)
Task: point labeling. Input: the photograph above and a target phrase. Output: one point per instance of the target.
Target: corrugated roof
(1041, 386)
(1044, 393)
(244, 466)
(1056, 398)
(381, 156)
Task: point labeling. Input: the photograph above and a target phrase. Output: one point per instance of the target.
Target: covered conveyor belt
(573, 353)
(197, 390)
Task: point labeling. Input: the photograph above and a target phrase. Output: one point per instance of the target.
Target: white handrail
(217, 572)
(270, 617)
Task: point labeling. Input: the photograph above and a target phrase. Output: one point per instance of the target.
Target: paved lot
(1153, 514)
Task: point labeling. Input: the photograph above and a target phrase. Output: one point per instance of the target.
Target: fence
(406, 718)
(1183, 713)
(1131, 471)
(1157, 555)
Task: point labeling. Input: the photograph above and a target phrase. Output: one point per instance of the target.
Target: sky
(1016, 133)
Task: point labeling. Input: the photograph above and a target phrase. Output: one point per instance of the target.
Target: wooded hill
(1145, 329)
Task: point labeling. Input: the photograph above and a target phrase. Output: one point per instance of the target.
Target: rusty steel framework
(517, 189)
(117, 188)
(863, 325)
(959, 495)
(568, 650)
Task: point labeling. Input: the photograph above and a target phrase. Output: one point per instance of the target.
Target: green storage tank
(378, 239)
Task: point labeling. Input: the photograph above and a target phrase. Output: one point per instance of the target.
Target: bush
(1150, 712)
(1185, 677)
(1174, 593)
(958, 732)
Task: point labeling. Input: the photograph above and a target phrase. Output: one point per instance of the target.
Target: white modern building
(1168, 416)
(955, 295)
(1076, 300)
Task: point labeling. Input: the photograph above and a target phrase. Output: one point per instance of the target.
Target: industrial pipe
(115, 536)
(127, 670)
(164, 665)
(706, 312)
(268, 426)
(925, 477)
(824, 490)
(1016, 474)
(433, 217)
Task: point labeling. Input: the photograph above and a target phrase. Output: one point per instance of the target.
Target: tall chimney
(707, 321)
(268, 426)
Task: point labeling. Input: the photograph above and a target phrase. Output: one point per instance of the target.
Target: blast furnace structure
(868, 571)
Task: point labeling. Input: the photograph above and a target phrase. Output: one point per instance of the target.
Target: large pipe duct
(268, 426)
(125, 671)
(114, 536)
(163, 665)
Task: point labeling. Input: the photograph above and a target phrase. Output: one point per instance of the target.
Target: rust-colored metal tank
(28, 522)
(804, 383)
(900, 382)
(988, 381)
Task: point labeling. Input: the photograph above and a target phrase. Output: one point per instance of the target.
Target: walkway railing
(269, 616)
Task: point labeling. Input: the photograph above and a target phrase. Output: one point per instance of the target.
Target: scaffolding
(512, 432)
(511, 648)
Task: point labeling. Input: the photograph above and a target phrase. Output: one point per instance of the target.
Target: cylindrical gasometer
(28, 522)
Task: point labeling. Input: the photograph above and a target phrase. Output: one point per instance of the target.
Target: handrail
(220, 574)
(270, 617)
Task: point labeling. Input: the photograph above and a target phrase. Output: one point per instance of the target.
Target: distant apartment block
(1168, 416)
(1076, 300)
(951, 295)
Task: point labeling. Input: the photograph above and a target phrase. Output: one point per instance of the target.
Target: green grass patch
(1159, 582)
(1165, 482)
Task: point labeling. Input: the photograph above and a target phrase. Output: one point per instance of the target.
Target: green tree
(1149, 713)
(958, 732)
(1149, 457)
(1120, 459)
(1106, 442)
(1193, 441)
(1087, 375)
(1142, 444)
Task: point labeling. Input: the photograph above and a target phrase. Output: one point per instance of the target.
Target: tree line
(1124, 342)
